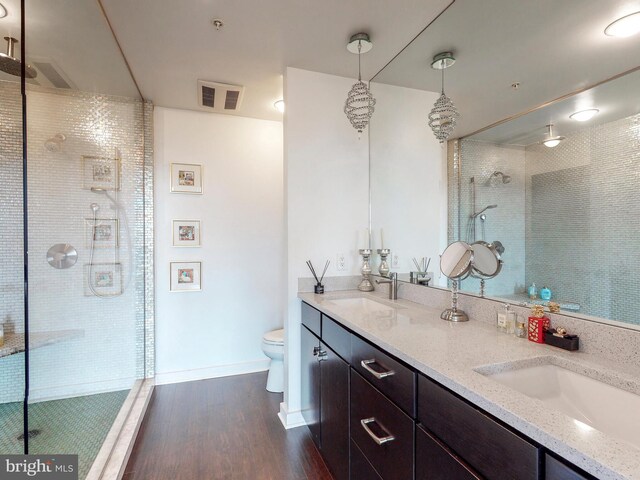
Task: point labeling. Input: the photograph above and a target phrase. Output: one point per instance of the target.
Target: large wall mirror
(565, 211)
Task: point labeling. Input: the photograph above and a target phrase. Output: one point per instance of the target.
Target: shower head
(502, 176)
(483, 210)
(11, 65)
(94, 207)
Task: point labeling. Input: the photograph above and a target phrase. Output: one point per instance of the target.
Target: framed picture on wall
(186, 276)
(101, 233)
(186, 178)
(186, 233)
(100, 173)
(102, 279)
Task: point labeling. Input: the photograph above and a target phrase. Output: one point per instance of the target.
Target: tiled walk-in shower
(76, 187)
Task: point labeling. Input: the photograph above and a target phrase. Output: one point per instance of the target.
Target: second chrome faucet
(393, 285)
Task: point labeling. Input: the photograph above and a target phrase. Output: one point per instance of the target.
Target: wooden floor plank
(221, 429)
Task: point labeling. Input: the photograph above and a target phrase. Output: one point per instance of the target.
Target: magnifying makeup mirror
(456, 263)
(486, 262)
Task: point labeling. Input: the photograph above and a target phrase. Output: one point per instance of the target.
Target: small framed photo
(186, 178)
(100, 172)
(102, 279)
(185, 276)
(101, 233)
(186, 233)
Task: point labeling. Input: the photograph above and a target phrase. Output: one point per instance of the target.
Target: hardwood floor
(224, 428)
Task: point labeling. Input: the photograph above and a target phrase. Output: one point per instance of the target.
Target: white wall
(408, 178)
(327, 197)
(218, 331)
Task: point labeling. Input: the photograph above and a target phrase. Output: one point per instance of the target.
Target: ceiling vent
(219, 97)
(50, 74)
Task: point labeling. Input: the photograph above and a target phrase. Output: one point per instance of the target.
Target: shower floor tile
(76, 425)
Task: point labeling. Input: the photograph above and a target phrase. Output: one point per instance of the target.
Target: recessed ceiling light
(279, 105)
(584, 115)
(551, 140)
(3, 11)
(625, 26)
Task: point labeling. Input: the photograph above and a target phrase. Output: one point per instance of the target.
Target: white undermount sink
(366, 305)
(590, 402)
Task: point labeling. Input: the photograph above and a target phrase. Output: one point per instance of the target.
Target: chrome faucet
(393, 285)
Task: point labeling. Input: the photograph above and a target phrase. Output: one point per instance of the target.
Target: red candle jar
(537, 327)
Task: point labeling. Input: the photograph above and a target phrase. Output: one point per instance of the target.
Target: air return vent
(219, 97)
(50, 74)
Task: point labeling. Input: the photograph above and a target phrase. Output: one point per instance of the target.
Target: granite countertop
(450, 353)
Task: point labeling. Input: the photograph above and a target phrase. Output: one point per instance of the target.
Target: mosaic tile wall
(583, 219)
(505, 223)
(11, 245)
(112, 336)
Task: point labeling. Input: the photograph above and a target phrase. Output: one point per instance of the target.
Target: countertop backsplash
(610, 342)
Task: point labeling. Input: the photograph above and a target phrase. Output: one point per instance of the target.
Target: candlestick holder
(383, 269)
(365, 284)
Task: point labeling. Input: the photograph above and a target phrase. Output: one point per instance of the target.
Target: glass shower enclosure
(76, 193)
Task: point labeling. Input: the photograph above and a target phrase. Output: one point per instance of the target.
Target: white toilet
(273, 347)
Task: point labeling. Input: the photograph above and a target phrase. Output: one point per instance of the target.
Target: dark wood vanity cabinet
(334, 412)
(374, 417)
(325, 391)
(310, 386)
(381, 430)
(493, 450)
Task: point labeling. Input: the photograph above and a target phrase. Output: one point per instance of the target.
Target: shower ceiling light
(443, 115)
(279, 105)
(3, 11)
(624, 27)
(359, 106)
(552, 141)
(584, 115)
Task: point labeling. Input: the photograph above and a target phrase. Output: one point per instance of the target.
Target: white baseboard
(212, 372)
(290, 419)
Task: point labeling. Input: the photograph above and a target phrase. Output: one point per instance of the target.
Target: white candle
(368, 238)
(382, 238)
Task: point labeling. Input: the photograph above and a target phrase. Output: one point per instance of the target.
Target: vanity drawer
(311, 318)
(392, 378)
(434, 461)
(491, 449)
(361, 469)
(337, 337)
(389, 444)
(556, 470)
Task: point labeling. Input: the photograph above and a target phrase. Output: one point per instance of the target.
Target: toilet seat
(275, 337)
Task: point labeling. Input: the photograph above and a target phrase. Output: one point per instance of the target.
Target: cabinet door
(334, 415)
(310, 346)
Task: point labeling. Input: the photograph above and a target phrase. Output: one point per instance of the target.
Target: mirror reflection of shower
(472, 235)
(121, 216)
(499, 177)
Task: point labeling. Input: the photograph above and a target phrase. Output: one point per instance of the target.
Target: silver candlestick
(383, 269)
(365, 284)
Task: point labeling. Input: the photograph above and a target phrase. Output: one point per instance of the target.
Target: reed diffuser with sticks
(319, 288)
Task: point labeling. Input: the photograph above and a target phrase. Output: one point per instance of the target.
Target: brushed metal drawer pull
(380, 441)
(378, 375)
